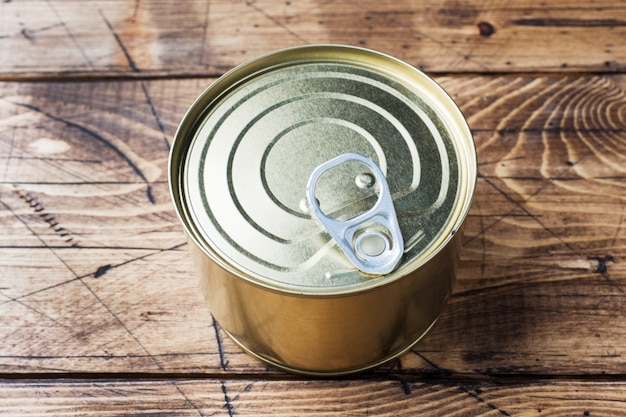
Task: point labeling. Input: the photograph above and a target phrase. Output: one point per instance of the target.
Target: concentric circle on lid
(249, 144)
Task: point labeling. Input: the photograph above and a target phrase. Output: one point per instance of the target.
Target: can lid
(247, 147)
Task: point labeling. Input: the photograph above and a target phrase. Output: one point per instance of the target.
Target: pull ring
(372, 240)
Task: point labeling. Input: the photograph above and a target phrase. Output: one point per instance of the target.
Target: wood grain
(159, 38)
(100, 313)
(109, 287)
(360, 397)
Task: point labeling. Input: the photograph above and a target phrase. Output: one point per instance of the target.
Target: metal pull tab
(372, 240)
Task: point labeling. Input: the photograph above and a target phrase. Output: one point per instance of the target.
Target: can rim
(441, 102)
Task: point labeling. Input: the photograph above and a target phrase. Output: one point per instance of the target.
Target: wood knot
(486, 29)
(44, 215)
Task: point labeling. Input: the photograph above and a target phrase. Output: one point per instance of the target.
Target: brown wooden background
(100, 313)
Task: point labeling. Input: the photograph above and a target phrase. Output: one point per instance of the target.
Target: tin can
(322, 189)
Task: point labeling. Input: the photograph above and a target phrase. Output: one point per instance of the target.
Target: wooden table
(100, 313)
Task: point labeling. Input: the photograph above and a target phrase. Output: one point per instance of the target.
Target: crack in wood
(118, 40)
(98, 137)
(227, 401)
(80, 278)
(275, 21)
(218, 338)
(404, 384)
(569, 22)
(520, 206)
(70, 35)
(205, 31)
(477, 397)
(155, 114)
(186, 398)
(46, 216)
(36, 311)
(41, 240)
(105, 268)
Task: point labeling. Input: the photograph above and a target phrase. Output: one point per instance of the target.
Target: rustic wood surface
(100, 313)
(42, 38)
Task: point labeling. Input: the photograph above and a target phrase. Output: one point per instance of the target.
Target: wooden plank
(108, 285)
(252, 397)
(160, 38)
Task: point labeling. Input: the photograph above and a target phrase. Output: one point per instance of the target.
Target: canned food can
(322, 189)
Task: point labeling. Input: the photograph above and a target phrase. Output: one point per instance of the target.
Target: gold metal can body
(274, 278)
(329, 335)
